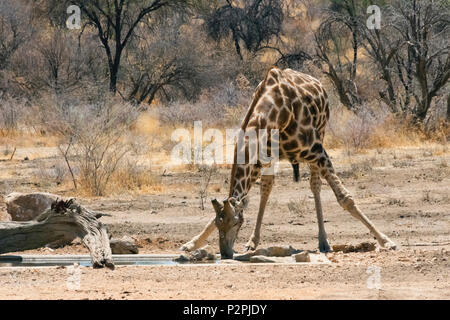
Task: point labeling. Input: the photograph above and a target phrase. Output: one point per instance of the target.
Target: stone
(282, 251)
(126, 245)
(276, 251)
(202, 254)
(26, 207)
(262, 259)
(261, 252)
(361, 247)
(243, 256)
(302, 257)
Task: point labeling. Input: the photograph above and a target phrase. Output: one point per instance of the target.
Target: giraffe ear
(228, 205)
(217, 206)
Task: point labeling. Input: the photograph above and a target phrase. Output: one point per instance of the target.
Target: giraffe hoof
(389, 245)
(325, 247)
(249, 247)
(189, 246)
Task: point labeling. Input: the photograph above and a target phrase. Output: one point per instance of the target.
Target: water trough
(122, 260)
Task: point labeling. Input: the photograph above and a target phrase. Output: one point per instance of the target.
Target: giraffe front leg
(199, 240)
(266, 188)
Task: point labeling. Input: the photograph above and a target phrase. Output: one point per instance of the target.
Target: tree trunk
(65, 219)
(113, 78)
(448, 107)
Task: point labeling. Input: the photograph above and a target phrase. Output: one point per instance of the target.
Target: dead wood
(65, 219)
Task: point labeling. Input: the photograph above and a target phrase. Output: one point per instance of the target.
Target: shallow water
(85, 261)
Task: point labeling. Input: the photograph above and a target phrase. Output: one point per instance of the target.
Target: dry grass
(152, 146)
(135, 178)
(27, 139)
(395, 131)
(358, 133)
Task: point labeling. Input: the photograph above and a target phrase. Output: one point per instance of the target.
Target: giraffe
(297, 105)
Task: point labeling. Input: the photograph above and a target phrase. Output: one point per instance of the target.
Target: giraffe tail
(295, 166)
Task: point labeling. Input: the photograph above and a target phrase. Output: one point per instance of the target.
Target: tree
(15, 28)
(253, 22)
(166, 62)
(411, 51)
(336, 33)
(115, 22)
(383, 48)
(62, 65)
(423, 26)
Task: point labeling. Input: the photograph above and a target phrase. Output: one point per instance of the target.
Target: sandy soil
(404, 191)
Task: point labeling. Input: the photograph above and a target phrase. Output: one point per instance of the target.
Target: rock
(126, 245)
(244, 256)
(361, 247)
(262, 259)
(302, 257)
(283, 251)
(26, 207)
(203, 254)
(261, 252)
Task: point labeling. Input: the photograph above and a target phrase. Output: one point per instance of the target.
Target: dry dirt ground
(404, 191)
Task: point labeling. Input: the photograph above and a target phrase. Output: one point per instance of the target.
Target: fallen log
(64, 220)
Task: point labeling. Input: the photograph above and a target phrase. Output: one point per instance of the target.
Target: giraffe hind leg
(343, 196)
(296, 169)
(315, 184)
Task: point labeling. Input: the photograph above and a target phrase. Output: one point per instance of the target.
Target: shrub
(218, 106)
(95, 137)
(12, 114)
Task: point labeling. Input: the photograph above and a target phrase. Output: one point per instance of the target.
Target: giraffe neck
(241, 180)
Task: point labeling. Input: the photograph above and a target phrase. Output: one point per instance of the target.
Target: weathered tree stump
(64, 220)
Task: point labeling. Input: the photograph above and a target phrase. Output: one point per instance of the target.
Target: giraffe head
(229, 219)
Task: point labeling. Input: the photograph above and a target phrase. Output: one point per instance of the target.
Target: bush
(220, 106)
(12, 114)
(354, 130)
(95, 137)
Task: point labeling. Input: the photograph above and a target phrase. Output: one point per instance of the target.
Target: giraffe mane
(258, 94)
